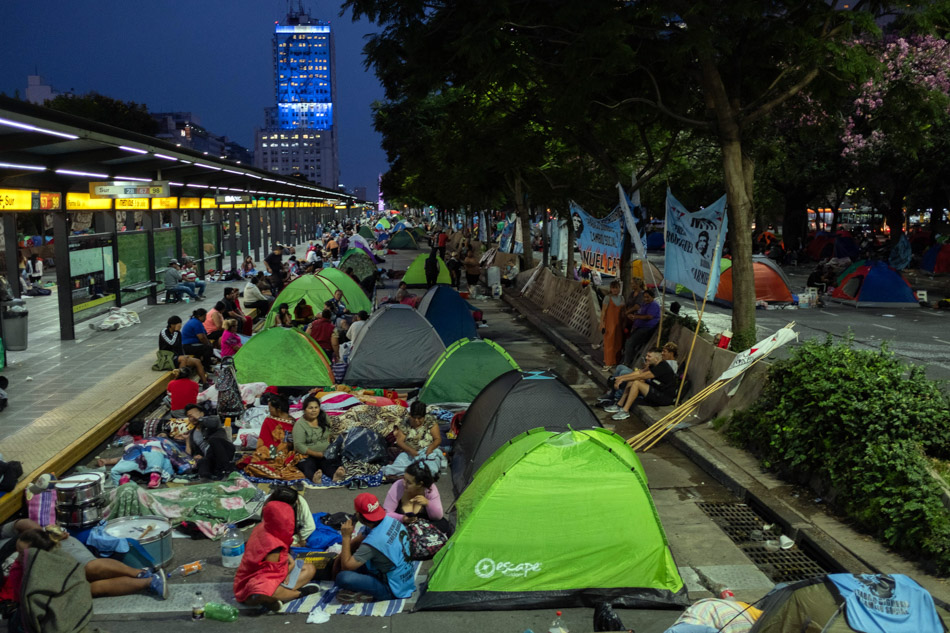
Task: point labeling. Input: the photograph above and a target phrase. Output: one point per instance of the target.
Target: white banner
(638, 251)
(694, 245)
(761, 349)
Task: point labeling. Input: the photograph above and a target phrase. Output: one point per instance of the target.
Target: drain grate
(738, 521)
(784, 565)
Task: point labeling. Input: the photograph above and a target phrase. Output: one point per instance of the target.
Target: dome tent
(367, 233)
(416, 273)
(540, 481)
(771, 283)
(395, 349)
(315, 290)
(359, 261)
(384, 223)
(448, 313)
(513, 403)
(451, 378)
(353, 296)
(875, 285)
(936, 260)
(283, 357)
(403, 239)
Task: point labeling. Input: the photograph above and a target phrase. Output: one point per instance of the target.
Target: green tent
(452, 379)
(403, 239)
(384, 223)
(366, 232)
(283, 357)
(419, 232)
(850, 269)
(353, 296)
(416, 273)
(583, 529)
(359, 261)
(316, 290)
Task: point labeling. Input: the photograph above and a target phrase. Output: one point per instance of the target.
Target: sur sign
(119, 189)
(232, 199)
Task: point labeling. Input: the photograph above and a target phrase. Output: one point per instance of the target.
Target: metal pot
(79, 516)
(78, 490)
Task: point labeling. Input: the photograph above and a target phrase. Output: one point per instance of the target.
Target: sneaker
(124, 479)
(155, 480)
(605, 398)
(309, 588)
(347, 597)
(621, 415)
(159, 584)
(612, 408)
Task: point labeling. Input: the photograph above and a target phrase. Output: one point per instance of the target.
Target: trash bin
(15, 317)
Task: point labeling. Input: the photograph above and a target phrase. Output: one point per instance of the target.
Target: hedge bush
(859, 426)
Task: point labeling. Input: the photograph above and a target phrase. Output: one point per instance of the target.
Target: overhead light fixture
(208, 166)
(33, 128)
(133, 178)
(232, 171)
(198, 186)
(164, 157)
(187, 162)
(19, 166)
(172, 183)
(89, 174)
(133, 149)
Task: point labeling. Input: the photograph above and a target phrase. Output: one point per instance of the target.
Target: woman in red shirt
(183, 391)
(278, 425)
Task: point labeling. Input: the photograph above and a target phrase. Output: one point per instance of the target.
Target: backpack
(55, 597)
(165, 360)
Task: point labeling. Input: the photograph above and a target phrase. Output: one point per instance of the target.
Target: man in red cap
(380, 565)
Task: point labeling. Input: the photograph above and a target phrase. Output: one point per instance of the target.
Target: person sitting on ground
(232, 310)
(255, 298)
(311, 439)
(339, 338)
(359, 322)
(268, 575)
(278, 426)
(303, 313)
(283, 318)
(669, 353)
(376, 563)
(182, 391)
(174, 283)
(106, 576)
(34, 269)
(313, 254)
(643, 327)
(654, 387)
(189, 277)
(214, 322)
(416, 496)
(209, 445)
(230, 339)
(170, 340)
(336, 305)
(321, 330)
(194, 337)
(419, 440)
(248, 269)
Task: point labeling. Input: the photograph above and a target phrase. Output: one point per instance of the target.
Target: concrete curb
(828, 551)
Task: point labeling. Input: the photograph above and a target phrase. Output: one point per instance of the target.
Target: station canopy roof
(45, 149)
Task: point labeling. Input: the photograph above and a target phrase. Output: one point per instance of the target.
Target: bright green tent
(416, 273)
(581, 528)
(384, 223)
(359, 261)
(283, 357)
(353, 296)
(366, 232)
(403, 239)
(464, 369)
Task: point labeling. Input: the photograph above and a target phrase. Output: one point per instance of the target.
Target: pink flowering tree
(898, 125)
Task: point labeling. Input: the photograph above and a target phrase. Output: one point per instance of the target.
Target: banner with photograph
(694, 245)
(599, 240)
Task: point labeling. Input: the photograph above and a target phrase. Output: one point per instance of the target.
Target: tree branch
(768, 106)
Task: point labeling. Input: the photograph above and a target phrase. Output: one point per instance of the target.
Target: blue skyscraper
(299, 136)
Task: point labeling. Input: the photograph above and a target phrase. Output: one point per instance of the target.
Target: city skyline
(214, 59)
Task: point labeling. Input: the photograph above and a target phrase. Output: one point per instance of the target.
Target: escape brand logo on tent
(486, 568)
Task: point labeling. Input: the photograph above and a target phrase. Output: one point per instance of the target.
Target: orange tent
(771, 284)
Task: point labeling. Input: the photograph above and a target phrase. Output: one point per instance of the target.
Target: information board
(92, 275)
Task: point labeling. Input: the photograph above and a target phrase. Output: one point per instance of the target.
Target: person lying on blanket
(379, 565)
(268, 575)
(157, 457)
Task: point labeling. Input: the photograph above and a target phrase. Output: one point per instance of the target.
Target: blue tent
(655, 241)
(449, 314)
(875, 285)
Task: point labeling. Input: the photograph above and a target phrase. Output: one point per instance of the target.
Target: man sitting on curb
(380, 565)
(654, 386)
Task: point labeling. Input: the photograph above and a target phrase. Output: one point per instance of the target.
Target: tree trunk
(895, 212)
(739, 196)
(795, 221)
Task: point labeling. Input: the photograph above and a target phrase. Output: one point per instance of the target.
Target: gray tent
(395, 349)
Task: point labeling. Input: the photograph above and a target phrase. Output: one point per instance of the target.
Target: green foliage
(127, 115)
(862, 426)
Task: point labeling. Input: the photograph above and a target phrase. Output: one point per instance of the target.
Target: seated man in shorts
(654, 386)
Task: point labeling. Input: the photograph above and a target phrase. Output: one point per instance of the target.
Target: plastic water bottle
(232, 547)
(187, 569)
(187, 299)
(556, 626)
(198, 607)
(220, 612)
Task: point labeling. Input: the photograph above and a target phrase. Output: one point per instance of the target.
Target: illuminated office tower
(299, 137)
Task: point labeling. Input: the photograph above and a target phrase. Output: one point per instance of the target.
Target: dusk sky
(209, 57)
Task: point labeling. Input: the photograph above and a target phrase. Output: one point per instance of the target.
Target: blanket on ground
(209, 506)
(327, 600)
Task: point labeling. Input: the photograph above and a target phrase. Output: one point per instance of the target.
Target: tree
(127, 115)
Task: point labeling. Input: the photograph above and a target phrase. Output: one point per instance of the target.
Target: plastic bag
(359, 444)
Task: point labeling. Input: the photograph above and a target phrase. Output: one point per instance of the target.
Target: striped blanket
(326, 600)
